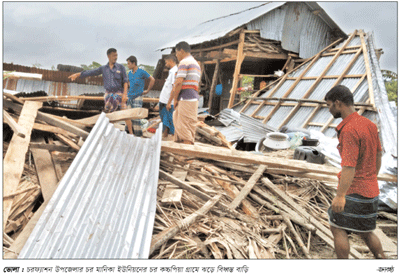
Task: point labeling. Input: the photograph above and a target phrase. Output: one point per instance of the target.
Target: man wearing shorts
(355, 206)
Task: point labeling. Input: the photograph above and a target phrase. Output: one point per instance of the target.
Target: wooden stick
(14, 125)
(135, 113)
(297, 237)
(248, 187)
(205, 197)
(14, 159)
(169, 233)
(305, 214)
(20, 192)
(50, 119)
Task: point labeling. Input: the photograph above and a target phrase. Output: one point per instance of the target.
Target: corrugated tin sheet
(104, 206)
(298, 120)
(281, 21)
(253, 129)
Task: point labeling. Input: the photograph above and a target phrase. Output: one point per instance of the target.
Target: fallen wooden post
(50, 119)
(248, 187)
(169, 233)
(222, 154)
(45, 170)
(50, 147)
(14, 159)
(135, 113)
(13, 125)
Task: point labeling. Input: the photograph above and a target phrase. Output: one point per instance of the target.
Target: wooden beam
(344, 52)
(68, 142)
(290, 115)
(7, 118)
(50, 147)
(223, 154)
(367, 68)
(248, 187)
(14, 160)
(263, 55)
(239, 60)
(328, 77)
(13, 98)
(351, 63)
(45, 170)
(213, 85)
(328, 66)
(135, 113)
(50, 119)
(216, 47)
(272, 112)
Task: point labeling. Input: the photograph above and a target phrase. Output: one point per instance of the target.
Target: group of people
(355, 206)
(178, 102)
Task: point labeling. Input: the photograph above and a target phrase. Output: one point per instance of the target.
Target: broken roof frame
(104, 207)
(297, 98)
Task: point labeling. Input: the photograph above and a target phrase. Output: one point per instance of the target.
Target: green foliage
(37, 65)
(390, 84)
(248, 81)
(148, 68)
(94, 65)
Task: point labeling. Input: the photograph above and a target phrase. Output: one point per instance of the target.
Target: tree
(390, 84)
(148, 68)
(94, 65)
(37, 65)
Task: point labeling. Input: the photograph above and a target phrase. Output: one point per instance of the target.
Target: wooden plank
(45, 170)
(135, 113)
(13, 98)
(368, 68)
(328, 66)
(161, 238)
(238, 65)
(216, 47)
(50, 147)
(272, 112)
(264, 55)
(172, 195)
(14, 159)
(68, 142)
(388, 216)
(290, 115)
(387, 243)
(13, 125)
(223, 154)
(248, 187)
(311, 116)
(52, 129)
(50, 119)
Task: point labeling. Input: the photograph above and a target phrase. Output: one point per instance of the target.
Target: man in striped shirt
(186, 94)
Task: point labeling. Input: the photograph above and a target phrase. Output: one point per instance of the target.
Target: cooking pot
(277, 141)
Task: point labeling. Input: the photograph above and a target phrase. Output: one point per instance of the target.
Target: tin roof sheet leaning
(104, 207)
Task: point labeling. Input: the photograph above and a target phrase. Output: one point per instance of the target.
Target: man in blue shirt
(115, 82)
(137, 78)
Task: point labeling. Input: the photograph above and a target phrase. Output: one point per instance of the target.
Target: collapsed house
(255, 43)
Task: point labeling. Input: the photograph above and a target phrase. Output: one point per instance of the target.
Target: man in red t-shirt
(355, 206)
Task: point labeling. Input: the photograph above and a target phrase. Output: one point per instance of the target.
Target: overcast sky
(75, 33)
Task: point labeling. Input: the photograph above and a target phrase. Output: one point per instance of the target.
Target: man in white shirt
(166, 104)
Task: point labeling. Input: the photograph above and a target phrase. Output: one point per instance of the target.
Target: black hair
(111, 50)
(171, 57)
(184, 46)
(132, 59)
(341, 93)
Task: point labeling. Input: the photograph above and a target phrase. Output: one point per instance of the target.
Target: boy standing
(166, 104)
(137, 78)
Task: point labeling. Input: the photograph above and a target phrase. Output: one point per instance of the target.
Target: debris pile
(213, 202)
